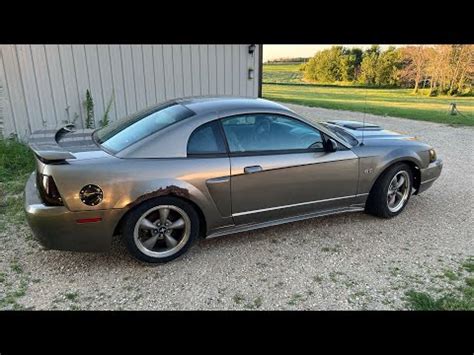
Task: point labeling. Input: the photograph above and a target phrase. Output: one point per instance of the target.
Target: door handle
(252, 169)
(218, 180)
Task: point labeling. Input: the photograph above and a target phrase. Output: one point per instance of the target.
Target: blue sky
(273, 51)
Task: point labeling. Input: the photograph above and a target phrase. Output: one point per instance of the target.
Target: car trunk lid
(63, 143)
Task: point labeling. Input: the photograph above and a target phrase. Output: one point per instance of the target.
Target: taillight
(48, 190)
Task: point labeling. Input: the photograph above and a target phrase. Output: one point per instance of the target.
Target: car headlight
(432, 155)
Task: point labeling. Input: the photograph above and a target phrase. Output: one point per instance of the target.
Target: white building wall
(42, 86)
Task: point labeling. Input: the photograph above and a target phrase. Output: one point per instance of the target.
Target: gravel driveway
(350, 261)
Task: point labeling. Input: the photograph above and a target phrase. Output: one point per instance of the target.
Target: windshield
(123, 133)
(341, 133)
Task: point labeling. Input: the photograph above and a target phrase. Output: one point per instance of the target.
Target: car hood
(64, 142)
(367, 131)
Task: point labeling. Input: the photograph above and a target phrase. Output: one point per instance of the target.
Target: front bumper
(429, 175)
(56, 227)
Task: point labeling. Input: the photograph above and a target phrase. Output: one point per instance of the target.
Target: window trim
(272, 152)
(254, 153)
(207, 155)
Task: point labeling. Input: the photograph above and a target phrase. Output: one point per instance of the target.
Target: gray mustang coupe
(206, 167)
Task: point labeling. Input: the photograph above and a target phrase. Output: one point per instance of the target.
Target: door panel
(291, 184)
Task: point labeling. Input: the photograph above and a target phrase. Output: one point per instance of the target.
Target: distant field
(384, 102)
(282, 73)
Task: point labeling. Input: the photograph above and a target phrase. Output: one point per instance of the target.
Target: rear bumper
(429, 175)
(56, 227)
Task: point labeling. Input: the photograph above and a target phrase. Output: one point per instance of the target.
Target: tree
(387, 68)
(333, 64)
(356, 55)
(328, 65)
(462, 68)
(415, 64)
(368, 67)
(437, 67)
(450, 69)
(350, 63)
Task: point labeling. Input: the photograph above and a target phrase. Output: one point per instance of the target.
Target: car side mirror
(331, 145)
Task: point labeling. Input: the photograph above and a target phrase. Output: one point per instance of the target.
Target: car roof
(222, 104)
(171, 141)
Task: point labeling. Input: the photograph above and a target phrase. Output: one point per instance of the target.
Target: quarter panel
(126, 182)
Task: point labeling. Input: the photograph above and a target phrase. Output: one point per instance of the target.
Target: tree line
(287, 60)
(444, 69)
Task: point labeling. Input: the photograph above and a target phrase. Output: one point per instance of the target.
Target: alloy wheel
(398, 191)
(162, 231)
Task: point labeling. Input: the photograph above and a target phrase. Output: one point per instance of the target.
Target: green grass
(72, 296)
(16, 267)
(257, 303)
(284, 83)
(9, 299)
(461, 298)
(469, 281)
(16, 161)
(295, 299)
(421, 301)
(469, 265)
(331, 249)
(16, 164)
(451, 275)
(238, 298)
(282, 73)
(317, 279)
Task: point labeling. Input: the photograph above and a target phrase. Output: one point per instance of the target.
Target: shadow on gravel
(119, 258)
(287, 230)
(295, 232)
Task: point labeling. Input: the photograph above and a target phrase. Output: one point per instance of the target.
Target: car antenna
(363, 119)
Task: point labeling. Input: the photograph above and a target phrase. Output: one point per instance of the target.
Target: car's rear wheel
(391, 192)
(161, 229)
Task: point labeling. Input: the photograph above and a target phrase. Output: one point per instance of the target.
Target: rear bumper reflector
(89, 220)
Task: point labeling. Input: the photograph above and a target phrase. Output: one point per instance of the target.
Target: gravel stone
(346, 261)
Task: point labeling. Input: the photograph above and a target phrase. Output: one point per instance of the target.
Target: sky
(274, 51)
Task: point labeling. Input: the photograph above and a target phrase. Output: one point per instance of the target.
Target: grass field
(284, 83)
(282, 73)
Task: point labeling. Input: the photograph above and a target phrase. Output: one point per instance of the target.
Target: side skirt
(248, 227)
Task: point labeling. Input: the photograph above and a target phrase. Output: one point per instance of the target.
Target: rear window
(123, 133)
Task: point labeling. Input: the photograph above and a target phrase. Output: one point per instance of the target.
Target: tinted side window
(268, 132)
(206, 139)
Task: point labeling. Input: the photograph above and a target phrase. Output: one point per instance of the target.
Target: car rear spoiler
(44, 143)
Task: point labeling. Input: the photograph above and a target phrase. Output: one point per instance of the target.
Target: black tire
(134, 216)
(377, 201)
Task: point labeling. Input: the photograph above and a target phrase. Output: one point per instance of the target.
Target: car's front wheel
(391, 192)
(161, 229)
